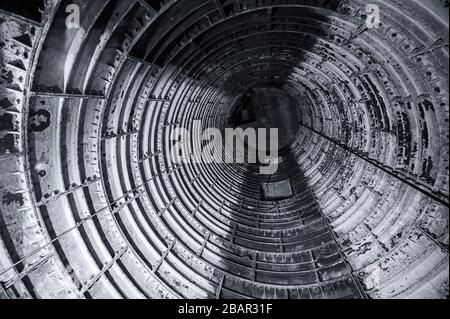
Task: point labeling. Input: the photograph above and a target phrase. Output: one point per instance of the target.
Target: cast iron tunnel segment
(92, 206)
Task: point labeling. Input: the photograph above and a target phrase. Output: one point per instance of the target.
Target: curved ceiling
(93, 206)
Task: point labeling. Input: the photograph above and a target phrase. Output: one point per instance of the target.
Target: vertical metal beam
(197, 208)
(221, 206)
(233, 234)
(107, 267)
(255, 262)
(219, 288)
(199, 49)
(162, 211)
(3, 293)
(163, 257)
(200, 252)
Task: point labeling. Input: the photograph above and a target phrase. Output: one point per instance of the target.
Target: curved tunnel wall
(93, 206)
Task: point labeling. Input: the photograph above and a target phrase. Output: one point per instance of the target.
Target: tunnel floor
(293, 243)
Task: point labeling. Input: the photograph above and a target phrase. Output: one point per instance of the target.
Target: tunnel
(93, 205)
